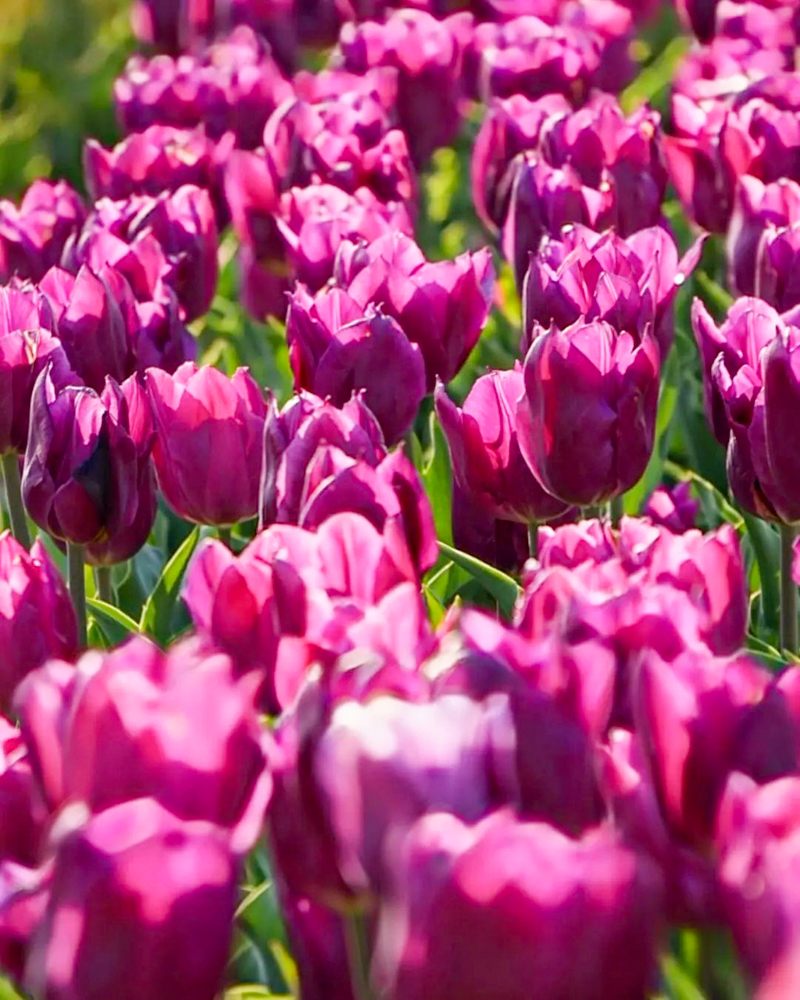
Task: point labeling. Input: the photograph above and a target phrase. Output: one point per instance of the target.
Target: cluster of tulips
(331, 779)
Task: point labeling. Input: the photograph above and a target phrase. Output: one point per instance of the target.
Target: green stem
(590, 512)
(761, 537)
(788, 591)
(105, 591)
(616, 508)
(16, 509)
(533, 540)
(77, 587)
(355, 933)
(224, 532)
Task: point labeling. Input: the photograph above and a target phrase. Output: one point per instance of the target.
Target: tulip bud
(197, 413)
(33, 236)
(599, 445)
(337, 346)
(23, 815)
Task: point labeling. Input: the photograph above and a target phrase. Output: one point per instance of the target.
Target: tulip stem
(355, 934)
(105, 591)
(77, 587)
(224, 532)
(788, 591)
(16, 508)
(533, 540)
(616, 508)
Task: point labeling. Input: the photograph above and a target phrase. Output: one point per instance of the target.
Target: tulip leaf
(158, 608)
(7, 991)
(654, 79)
(503, 588)
(115, 625)
(437, 478)
(678, 983)
(719, 299)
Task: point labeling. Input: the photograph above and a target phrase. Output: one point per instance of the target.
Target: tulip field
(400, 464)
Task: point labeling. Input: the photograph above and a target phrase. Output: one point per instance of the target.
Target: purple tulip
(487, 461)
(168, 887)
(320, 460)
(674, 508)
(442, 306)
(90, 325)
(32, 237)
(629, 283)
(579, 918)
(159, 159)
(200, 412)
(527, 56)
(504, 544)
(82, 476)
(510, 126)
(233, 85)
(117, 737)
(23, 815)
(27, 345)
(38, 621)
(23, 902)
(587, 420)
(594, 167)
(337, 347)
(428, 56)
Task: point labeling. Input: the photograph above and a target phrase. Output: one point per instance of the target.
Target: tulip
(509, 127)
(198, 412)
(159, 159)
(336, 347)
(580, 918)
(595, 167)
(504, 544)
(170, 888)
(428, 56)
(23, 901)
(233, 85)
(674, 508)
(629, 283)
(90, 325)
(441, 306)
(33, 236)
(37, 622)
(700, 15)
(599, 444)
(485, 451)
(23, 815)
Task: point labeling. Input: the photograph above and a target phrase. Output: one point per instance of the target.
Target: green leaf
(503, 588)
(7, 991)
(437, 477)
(654, 79)
(719, 298)
(678, 983)
(158, 608)
(113, 623)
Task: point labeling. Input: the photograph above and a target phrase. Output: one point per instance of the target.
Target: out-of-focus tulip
(587, 420)
(27, 345)
(82, 480)
(629, 283)
(231, 86)
(570, 910)
(428, 55)
(442, 306)
(337, 347)
(201, 415)
(23, 814)
(37, 621)
(32, 237)
(509, 127)
(674, 508)
(119, 736)
(159, 159)
(504, 544)
(485, 451)
(168, 887)
(594, 167)
(23, 901)
(320, 460)
(90, 325)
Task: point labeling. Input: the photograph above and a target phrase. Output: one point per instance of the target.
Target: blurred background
(58, 61)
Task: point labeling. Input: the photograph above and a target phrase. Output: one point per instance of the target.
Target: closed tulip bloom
(484, 447)
(629, 283)
(674, 508)
(586, 423)
(337, 347)
(442, 306)
(90, 325)
(570, 910)
(33, 236)
(781, 374)
(37, 621)
(81, 479)
(200, 412)
(28, 344)
(167, 886)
